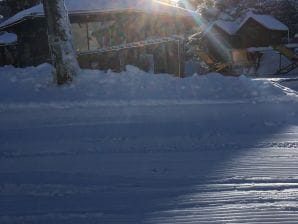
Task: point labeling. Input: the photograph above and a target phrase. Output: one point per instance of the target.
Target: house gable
(267, 21)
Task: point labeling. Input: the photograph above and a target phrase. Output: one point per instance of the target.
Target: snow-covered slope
(229, 156)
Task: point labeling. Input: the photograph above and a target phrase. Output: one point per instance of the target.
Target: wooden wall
(33, 43)
(167, 57)
(254, 34)
(219, 43)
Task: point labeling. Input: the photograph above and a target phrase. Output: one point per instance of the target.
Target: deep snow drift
(35, 85)
(142, 148)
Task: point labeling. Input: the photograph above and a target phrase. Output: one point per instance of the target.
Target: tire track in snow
(261, 186)
(180, 179)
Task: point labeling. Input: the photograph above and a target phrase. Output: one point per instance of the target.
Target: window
(100, 34)
(80, 39)
(96, 35)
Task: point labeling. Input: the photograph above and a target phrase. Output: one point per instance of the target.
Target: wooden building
(261, 31)
(109, 34)
(223, 38)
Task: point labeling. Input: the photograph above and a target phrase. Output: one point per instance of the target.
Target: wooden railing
(137, 44)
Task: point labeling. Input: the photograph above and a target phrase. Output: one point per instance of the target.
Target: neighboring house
(261, 30)
(110, 34)
(254, 31)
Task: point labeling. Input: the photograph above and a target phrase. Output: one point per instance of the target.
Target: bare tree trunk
(60, 41)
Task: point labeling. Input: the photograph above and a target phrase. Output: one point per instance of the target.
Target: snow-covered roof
(213, 11)
(101, 6)
(232, 27)
(267, 21)
(229, 27)
(8, 38)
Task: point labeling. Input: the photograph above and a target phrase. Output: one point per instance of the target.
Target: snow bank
(34, 85)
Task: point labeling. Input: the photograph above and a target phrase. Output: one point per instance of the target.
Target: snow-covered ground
(141, 148)
(270, 64)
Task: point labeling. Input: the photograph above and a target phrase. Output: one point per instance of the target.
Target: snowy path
(155, 164)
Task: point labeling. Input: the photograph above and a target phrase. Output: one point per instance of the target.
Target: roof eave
(87, 12)
(10, 44)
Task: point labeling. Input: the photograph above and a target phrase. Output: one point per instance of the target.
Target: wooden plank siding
(127, 27)
(254, 34)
